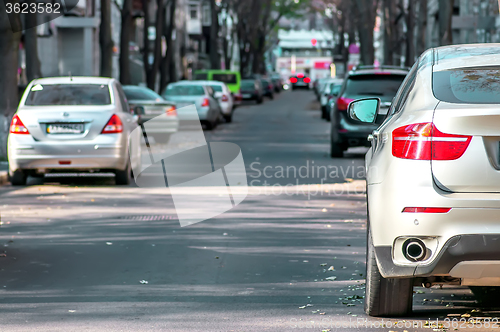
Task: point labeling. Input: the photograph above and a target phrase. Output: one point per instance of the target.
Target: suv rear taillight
(307, 80)
(343, 103)
(114, 125)
(423, 141)
(205, 102)
(225, 98)
(293, 80)
(17, 126)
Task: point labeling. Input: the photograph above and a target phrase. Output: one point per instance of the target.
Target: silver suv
(433, 175)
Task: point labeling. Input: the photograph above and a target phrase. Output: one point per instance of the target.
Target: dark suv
(363, 82)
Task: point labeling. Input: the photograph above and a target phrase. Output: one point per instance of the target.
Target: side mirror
(364, 110)
(138, 110)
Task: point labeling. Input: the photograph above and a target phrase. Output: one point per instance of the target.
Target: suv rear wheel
(386, 297)
(336, 150)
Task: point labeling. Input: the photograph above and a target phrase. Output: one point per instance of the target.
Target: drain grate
(149, 217)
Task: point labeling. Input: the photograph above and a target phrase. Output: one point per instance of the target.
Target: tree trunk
(421, 26)
(214, 36)
(31, 48)
(410, 35)
(445, 15)
(105, 41)
(9, 46)
(366, 13)
(165, 66)
(152, 69)
(390, 31)
(126, 28)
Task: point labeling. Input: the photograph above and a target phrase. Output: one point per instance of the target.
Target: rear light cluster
(343, 103)
(17, 126)
(225, 98)
(426, 210)
(423, 141)
(171, 111)
(205, 102)
(307, 80)
(293, 80)
(114, 125)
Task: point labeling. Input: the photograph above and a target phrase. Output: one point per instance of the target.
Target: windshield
(68, 94)
(247, 84)
(226, 78)
(138, 93)
(200, 76)
(468, 86)
(185, 90)
(383, 86)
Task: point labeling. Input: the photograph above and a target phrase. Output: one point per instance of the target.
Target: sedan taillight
(114, 125)
(171, 111)
(17, 126)
(205, 102)
(423, 141)
(225, 98)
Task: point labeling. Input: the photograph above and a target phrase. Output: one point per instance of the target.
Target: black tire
(228, 118)
(336, 150)
(18, 178)
(271, 96)
(385, 297)
(486, 296)
(123, 177)
(323, 112)
(260, 100)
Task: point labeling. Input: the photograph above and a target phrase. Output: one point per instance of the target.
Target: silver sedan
(72, 124)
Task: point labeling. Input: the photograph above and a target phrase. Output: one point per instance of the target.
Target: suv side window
(404, 91)
(123, 99)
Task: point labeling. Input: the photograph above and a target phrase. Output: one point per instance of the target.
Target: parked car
(331, 89)
(433, 180)
(267, 87)
(382, 82)
(68, 124)
(332, 100)
(319, 85)
(251, 89)
(186, 93)
(223, 96)
(231, 78)
(300, 81)
(277, 82)
(147, 104)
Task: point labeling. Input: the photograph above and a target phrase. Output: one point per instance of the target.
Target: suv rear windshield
(185, 90)
(467, 85)
(68, 94)
(216, 88)
(226, 78)
(373, 85)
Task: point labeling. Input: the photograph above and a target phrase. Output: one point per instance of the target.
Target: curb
(4, 179)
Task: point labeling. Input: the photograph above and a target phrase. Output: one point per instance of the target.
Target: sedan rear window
(467, 85)
(185, 90)
(374, 85)
(139, 93)
(216, 88)
(68, 94)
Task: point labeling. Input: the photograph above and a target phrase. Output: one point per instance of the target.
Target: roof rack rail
(361, 67)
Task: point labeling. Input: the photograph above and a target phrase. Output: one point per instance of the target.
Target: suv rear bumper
(459, 248)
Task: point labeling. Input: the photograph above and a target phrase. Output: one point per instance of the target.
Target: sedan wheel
(18, 178)
(123, 177)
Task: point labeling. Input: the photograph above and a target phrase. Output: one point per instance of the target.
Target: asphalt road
(83, 255)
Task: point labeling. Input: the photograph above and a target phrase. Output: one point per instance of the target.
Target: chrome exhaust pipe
(414, 250)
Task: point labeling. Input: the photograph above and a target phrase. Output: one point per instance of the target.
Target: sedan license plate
(65, 128)
(247, 95)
